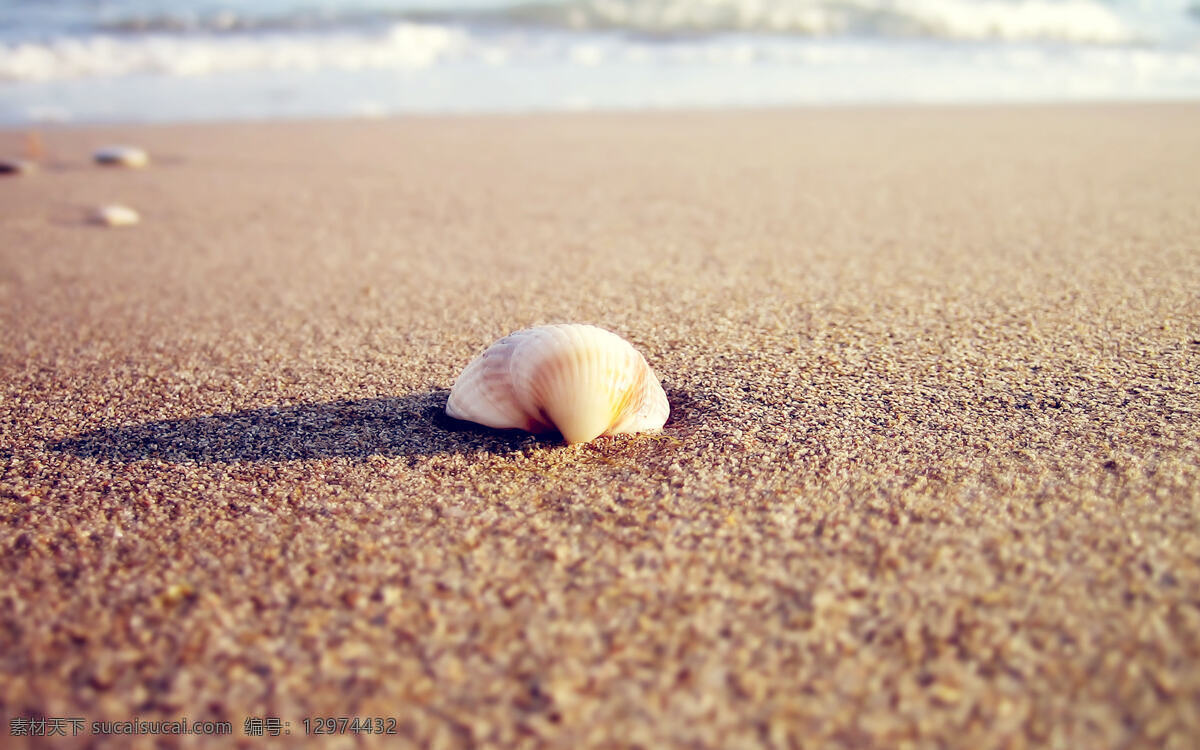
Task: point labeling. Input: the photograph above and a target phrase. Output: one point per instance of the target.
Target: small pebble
(17, 166)
(35, 148)
(122, 156)
(115, 215)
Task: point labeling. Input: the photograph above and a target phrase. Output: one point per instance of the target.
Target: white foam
(404, 46)
(1066, 20)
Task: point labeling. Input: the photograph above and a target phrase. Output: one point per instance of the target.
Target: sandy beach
(931, 478)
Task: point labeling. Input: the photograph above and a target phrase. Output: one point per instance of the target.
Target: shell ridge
(528, 398)
(483, 392)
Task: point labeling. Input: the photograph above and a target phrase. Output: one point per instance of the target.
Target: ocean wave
(1061, 20)
(1078, 21)
(403, 46)
(229, 20)
(416, 69)
(576, 32)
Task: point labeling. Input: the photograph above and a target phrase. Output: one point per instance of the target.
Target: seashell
(122, 156)
(581, 380)
(116, 215)
(17, 166)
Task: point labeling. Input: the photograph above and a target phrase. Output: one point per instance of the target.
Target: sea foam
(404, 45)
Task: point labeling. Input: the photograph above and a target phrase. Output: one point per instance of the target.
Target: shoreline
(621, 112)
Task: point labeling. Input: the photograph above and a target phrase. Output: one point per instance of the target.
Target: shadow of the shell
(408, 426)
(412, 425)
(689, 409)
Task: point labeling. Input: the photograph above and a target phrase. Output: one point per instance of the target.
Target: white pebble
(115, 215)
(122, 156)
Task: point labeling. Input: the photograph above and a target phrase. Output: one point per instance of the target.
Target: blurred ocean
(170, 60)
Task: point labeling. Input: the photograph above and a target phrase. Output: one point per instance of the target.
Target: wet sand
(932, 476)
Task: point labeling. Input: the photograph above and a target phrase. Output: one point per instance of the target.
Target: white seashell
(578, 379)
(122, 156)
(115, 215)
